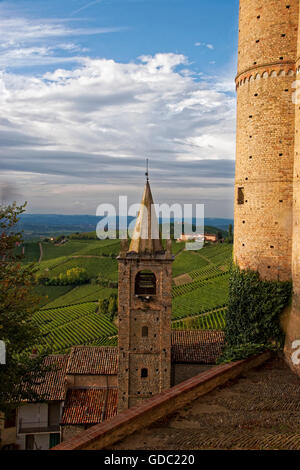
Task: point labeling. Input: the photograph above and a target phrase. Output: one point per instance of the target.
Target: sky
(90, 89)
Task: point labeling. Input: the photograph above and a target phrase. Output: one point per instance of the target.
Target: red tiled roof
(89, 406)
(197, 346)
(53, 387)
(93, 360)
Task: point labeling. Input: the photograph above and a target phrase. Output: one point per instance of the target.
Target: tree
(103, 306)
(112, 307)
(23, 370)
(230, 234)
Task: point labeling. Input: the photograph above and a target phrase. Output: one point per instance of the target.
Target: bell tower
(145, 305)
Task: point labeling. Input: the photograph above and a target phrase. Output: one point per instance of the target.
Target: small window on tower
(145, 283)
(144, 373)
(145, 332)
(241, 196)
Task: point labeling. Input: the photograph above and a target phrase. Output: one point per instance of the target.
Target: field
(207, 321)
(81, 294)
(68, 314)
(76, 324)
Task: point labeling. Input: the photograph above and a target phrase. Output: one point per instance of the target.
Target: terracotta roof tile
(53, 386)
(86, 406)
(111, 404)
(197, 346)
(93, 360)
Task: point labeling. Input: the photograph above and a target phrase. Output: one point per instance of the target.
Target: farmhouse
(199, 237)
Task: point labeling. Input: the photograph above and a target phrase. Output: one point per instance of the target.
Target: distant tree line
(74, 276)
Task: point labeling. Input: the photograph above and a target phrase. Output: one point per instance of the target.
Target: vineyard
(67, 314)
(207, 321)
(107, 267)
(49, 294)
(191, 286)
(188, 261)
(73, 325)
(205, 298)
(79, 294)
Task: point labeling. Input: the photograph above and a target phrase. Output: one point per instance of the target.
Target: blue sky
(89, 88)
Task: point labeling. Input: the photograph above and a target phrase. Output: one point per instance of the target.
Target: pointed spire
(146, 237)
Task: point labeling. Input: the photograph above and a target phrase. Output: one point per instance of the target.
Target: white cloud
(15, 30)
(95, 124)
(27, 41)
(204, 44)
(71, 139)
(84, 7)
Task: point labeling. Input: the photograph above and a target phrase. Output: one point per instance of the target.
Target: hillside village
(153, 346)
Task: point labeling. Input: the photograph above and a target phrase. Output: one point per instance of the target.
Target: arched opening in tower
(145, 283)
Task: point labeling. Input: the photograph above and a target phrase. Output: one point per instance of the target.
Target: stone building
(267, 184)
(145, 304)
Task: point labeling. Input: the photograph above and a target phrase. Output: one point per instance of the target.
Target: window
(241, 196)
(145, 283)
(145, 332)
(144, 373)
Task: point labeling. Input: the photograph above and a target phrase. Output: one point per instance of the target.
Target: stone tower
(267, 185)
(145, 304)
(265, 136)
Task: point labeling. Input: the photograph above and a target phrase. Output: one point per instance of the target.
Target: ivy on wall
(253, 316)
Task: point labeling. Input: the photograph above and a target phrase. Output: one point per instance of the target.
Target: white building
(38, 424)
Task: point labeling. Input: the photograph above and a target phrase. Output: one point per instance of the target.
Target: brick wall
(265, 136)
(261, 29)
(267, 223)
(70, 431)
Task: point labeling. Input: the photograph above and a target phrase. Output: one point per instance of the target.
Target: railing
(27, 427)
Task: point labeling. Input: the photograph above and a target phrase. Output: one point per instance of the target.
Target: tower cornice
(277, 67)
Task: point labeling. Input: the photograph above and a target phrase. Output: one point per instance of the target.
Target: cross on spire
(147, 169)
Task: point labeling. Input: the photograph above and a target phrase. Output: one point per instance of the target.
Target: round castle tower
(265, 137)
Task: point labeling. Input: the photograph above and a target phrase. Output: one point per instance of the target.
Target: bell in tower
(145, 307)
